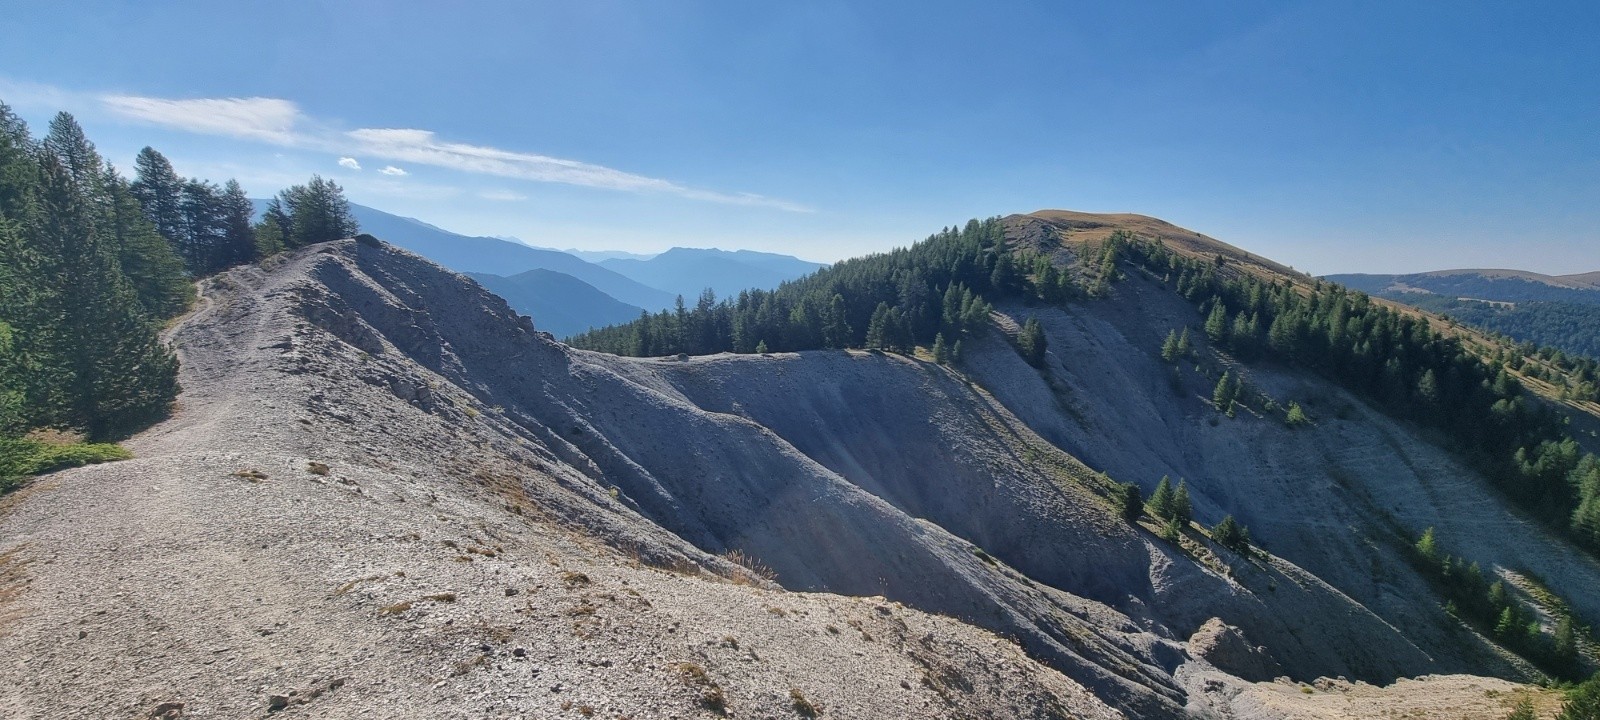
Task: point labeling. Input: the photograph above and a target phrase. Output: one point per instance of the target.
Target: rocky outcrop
(1225, 647)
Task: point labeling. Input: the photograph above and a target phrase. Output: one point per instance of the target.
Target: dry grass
(801, 705)
(441, 597)
(55, 436)
(396, 608)
(749, 570)
(251, 474)
(316, 468)
(347, 587)
(711, 696)
(574, 579)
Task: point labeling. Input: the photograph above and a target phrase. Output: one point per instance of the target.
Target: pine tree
(1217, 323)
(1428, 388)
(18, 171)
(1565, 641)
(272, 232)
(835, 331)
(1160, 503)
(13, 415)
(941, 352)
(239, 237)
(146, 258)
(160, 192)
(77, 157)
(29, 302)
(1583, 702)
(1497, 592)
(1004, 278)
(951, 306)
(956, 353)
(1185, 345)
(1169, 348)
(1508, 623)
(1428, 546)
(1296, 416)
(901, 338)
(1129, 501)
(1031, 342)
(1222, 396)
(122, 375)
(318, 212)
(1182, 508)
(877, 328)
(1171, 531)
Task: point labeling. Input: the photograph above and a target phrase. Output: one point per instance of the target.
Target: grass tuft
(801, 705)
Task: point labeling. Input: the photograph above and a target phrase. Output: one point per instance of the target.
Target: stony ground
(261, 557)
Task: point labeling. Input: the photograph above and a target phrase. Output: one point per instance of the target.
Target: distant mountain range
(559, 304)
(689, 271)
(566, 292)
(1560, 311)
(468, 254)
(1496, 285)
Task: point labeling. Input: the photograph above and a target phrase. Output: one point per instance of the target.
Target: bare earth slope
(384, 588)
(385, 494)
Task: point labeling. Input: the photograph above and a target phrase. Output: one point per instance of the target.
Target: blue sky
(1337, 137)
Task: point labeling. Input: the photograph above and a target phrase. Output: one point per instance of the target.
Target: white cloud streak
(349, 162)
(281, 122)
(256, 118)
(502, 195)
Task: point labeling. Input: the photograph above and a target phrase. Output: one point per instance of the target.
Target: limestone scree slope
(384, 493)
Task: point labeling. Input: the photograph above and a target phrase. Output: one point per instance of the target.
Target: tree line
(930, 294)
(93, 264)
(1402, 365)
(1567, 334)
(1492, 607)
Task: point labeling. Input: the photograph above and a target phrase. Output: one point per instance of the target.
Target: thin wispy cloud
(502, 195)
(256, 118)
(281, 122)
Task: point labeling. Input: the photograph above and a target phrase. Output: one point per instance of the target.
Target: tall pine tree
(147, 258)
(160, 192)
(121, 375)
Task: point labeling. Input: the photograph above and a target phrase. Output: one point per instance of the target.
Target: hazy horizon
(1371, 139)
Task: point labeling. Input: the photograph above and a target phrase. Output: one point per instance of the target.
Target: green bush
(1583, 701)
(1296, 416)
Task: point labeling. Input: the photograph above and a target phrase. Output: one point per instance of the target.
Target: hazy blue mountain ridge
(559, 304)
(689, 271)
